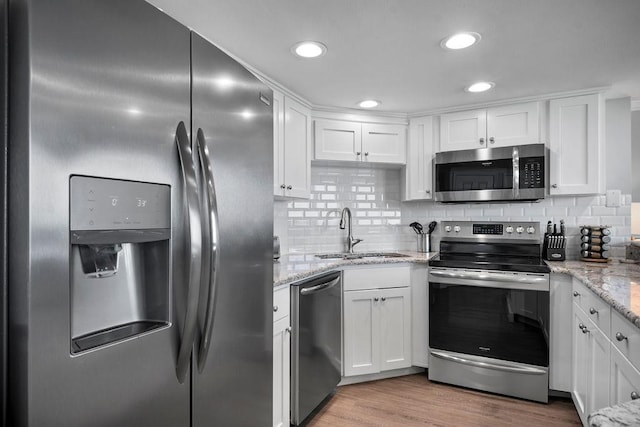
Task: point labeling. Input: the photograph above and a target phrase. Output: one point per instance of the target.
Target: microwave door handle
(212, 242)
(194, 244)
(516, 173)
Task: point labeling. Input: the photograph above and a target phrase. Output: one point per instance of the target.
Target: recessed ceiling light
(309, 49)
(369, 103)
(460, 40)
(480, 87)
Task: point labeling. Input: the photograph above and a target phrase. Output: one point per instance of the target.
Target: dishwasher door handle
(320, 287)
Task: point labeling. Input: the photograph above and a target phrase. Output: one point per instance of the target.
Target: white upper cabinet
(384, 143)
(417, 184)
(494, 127)
(336, 140)
(361, 142)
(291, 148)
(575, 145)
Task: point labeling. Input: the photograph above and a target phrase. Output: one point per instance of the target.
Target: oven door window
(476, 175)
(506, 324)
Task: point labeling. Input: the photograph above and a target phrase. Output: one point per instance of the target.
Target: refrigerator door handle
(212, 246)
(194, 242)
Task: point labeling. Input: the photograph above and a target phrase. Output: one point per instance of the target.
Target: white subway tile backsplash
(381, 220)
(559, 212)
(602, 211)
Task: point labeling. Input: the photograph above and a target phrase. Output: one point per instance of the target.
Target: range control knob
(456, 228)
(531, 230)
(519, 230)
(447, 228)
(509, 229)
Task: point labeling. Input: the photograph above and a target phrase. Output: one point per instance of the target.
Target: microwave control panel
(532, 172)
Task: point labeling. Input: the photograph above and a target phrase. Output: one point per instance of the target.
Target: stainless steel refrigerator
(137, 222)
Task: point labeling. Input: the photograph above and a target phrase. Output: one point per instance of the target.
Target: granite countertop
(624, 414)
(615, 282)
(294, 267)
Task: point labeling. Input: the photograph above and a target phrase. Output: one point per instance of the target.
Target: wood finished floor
(415, 401)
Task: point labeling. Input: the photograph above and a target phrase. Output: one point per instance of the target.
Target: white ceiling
(390, 49)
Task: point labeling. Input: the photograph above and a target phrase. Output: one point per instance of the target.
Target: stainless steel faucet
(345, 220)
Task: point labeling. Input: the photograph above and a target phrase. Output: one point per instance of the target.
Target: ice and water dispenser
(119, 235)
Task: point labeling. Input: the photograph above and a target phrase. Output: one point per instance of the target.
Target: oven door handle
(492, 277)
(496, 366)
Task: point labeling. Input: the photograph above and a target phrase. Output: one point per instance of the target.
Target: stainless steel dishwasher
(316, 342)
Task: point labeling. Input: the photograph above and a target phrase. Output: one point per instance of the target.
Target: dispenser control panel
(111, 204)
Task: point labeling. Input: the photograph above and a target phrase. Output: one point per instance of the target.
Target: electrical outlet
(614, 198)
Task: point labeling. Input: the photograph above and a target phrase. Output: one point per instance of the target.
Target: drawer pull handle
(620, 337)
(635, 395)
(576, 293)
(275, 308)
(593, 310)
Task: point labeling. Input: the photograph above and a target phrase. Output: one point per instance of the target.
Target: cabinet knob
(288, 329)
(283, 186)
(376, 299)
(492, 140)
(366, 153)
(275, 308)
(358, 153)
(635, 395)
(584, 329)
(427, 191)
(593, 310)
(620, 336)
(289, 187)
(383, 299)
(576, 293)
(554, 185)
(481, 141)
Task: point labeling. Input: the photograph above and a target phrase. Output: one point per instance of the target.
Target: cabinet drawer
(377, 277)
(281, 299)
(598, 311)
(629, 347)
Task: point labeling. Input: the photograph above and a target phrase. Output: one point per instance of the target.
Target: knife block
(554, 247)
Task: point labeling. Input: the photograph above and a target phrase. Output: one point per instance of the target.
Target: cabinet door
(418, 180)
(279, 184)
(361, 332)
(513, 125)
(297, 146)
(575, 145)
(336, 140)
(580, 363)
(281, 371)
(625, 379)
(384, 143)
(395, 328)
(599, 355)
(463, 130)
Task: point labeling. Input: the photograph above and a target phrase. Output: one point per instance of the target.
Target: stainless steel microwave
(490, 174)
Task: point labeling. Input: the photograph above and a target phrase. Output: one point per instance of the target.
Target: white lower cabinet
(625, 379)
(377, 322)
(591, 354)
(281, 357)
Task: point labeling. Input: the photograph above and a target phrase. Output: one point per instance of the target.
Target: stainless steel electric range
(489, 309)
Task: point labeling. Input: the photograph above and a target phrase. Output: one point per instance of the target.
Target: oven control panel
(488, 229)
(492, 230)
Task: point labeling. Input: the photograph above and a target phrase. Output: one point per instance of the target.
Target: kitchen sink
(359, 255)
